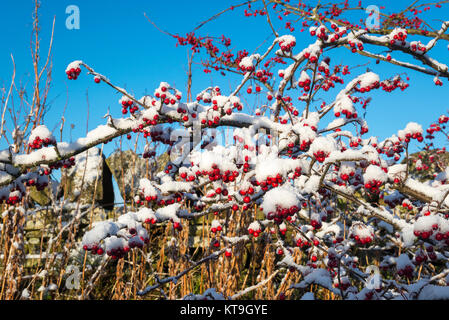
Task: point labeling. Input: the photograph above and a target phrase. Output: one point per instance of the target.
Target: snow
(312, 184)
(145, 214)
(255, 226)
(168, 212)
(270, 166)
(368, 79)
(425, 223)
(42, 132)
(434, 292)
(325, 144)
(283, 197)
(113, 243)
(403, 261)
(100, 231)
(87, 169)
(308, 296)
(374, 173)
(73, 65)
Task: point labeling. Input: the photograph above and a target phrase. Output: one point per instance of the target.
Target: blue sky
(116, 39)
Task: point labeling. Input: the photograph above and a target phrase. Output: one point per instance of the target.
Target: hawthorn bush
(302, 199)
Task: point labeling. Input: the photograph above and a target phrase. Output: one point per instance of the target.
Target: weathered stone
(79, 182)
(128, 168)
(40, 197)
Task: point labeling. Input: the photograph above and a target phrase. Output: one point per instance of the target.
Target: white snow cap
(283, 197)
(325, 144)
(374, 172)
(73, 65)
(42, 132)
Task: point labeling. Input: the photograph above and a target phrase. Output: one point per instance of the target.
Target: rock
(43, 197)
(128, 168)
(79, 181)
(40, 197)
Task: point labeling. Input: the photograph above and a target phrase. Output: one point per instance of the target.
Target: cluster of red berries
(302, 243)
(282, 213)
(165, 99)
(187, 177)
(362, 240)
(321, 34)
(39, 143)
(248, 191)
(149, 154)
(425, 234)
(249, 90)
(73, 73)
(255, 233)
(324, 67)
(95, 249)
(216, 229)
(422, 167)
(287, 47)
(219, 191)
(332, 261)
(338, 34)
(146, 198)
(247, 68)
(390, 150)
(150, 221)
(312, 58)
(407, 271)
(14, 197)
(347, 113)
(273, 181)
(305, 144)
(320, 155)
(390, 85)
(177, 226)
(354, 143)
(228, 253)
(407, 205)
(206, 98)
(263, 75)
(305, 84)
(344, 285)
(443, 119)
(416, 135)
(157, 134)
(354, 46)
(211, 123)
(152, 122)
(345, 176)
(66, 164)
(316, 224)
(373, 186)
(433, 128)
(128, 104)
(418, 47)
(215, 243)
(216, 174)
(420, 257)
(374, 85)
(442, 236)
(181, 111)
(400, 36)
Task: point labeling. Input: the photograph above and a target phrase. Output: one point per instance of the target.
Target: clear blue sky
(116, 39)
